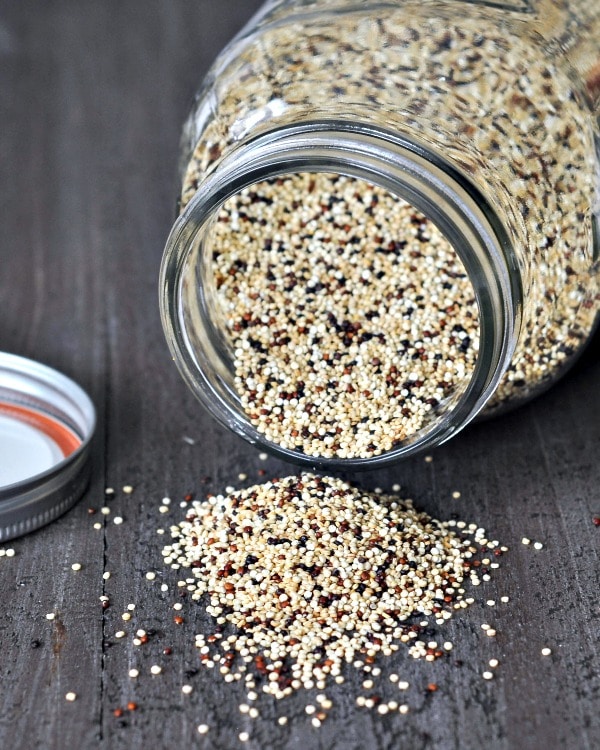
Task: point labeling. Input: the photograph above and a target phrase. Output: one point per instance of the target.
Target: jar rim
(408, 169)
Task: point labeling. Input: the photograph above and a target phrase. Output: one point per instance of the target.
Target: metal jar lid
(46, 426)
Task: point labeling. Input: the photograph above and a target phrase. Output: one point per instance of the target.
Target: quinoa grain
(302, 602)
(333, 360)
(478, 98)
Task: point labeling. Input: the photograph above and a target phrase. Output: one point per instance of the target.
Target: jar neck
(405, 168)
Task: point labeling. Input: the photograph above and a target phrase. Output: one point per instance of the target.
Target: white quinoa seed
(70, 696)
(155, 669)
(546, 651)
(202, 728)
(76, 566)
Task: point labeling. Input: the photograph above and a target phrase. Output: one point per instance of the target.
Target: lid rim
(36, 500)
(40, 511)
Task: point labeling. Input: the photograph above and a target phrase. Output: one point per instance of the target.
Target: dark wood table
(92, 98)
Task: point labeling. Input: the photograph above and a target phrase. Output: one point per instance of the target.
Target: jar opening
(345, 320)
(314, 260)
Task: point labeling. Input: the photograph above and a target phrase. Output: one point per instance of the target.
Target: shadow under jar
(388, 221)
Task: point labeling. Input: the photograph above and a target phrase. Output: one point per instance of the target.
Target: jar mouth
(405, 169)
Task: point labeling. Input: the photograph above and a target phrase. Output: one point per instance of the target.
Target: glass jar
(388, 221)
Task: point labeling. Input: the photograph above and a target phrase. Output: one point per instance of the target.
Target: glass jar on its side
(388, 221)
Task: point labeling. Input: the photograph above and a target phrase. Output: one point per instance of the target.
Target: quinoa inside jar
(299, 301)
(344, 319)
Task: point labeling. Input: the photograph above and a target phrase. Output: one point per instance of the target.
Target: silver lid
(46, 425)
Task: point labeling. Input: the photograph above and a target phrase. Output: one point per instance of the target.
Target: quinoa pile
(351, 317)
(489, 98)
(305, 574)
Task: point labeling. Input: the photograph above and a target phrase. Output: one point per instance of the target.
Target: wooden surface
(92, 97)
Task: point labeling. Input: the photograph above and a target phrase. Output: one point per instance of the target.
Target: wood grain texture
(92, 98)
